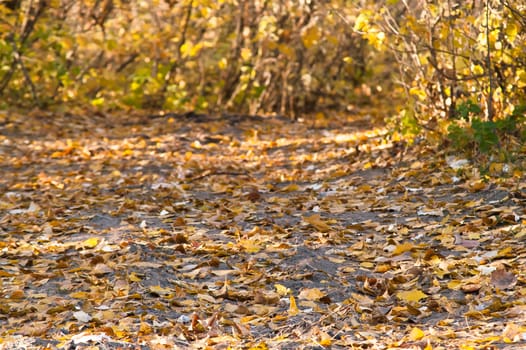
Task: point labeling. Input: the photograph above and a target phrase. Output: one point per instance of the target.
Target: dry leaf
(316, 221)
(402, 248)
(416, 334)
(311, 294)
(282, 290)
(414, 295)
(293, 308)
(82, 316)
(502, 279)
(90, 242)
(101, 269)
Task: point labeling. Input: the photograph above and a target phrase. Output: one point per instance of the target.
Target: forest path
(195, 231)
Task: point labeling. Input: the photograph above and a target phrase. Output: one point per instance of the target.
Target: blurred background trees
(447, 67)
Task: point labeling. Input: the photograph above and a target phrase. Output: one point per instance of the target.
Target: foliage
(247, 56)
(441, 66)
(452, 54)
(477, 135)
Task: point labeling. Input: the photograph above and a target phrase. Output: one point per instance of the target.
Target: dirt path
(197, 231)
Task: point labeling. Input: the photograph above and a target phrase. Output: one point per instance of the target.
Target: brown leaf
(502, 279)
(266, 298)
(318, 223)
(101, 269)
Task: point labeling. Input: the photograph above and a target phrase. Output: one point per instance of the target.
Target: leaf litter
(252, 233)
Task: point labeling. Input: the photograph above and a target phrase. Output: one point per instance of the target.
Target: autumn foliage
(452, 68)
(252, 56)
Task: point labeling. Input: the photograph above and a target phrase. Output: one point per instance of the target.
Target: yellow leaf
(311, 294)
(413, 295)
(511, 31)
(367, 165)
(416, 334)
(246, 54)
(375, 38)
(282, 290)
(293, 308)
(145, 328)
(477, 69)
(421, 94)
(454, 284)
(250, 245)
(222, 64)
(288, 51)
(317, 222)
(466, 347)
(127, 152)
(505, 252)
(80, 295)
(291, 188)
(160, 290)
(90, 242)
(259, 346)
(521, 77)
(325, 339)
(362, 21)
(134, 278)
(97, 101)
(185, 49)
(310, 36)
(402, 248)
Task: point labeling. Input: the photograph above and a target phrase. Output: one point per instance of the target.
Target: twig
(177, 61)
(27, 77)
(488, 66)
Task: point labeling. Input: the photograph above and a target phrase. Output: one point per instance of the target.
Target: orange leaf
(293, 309)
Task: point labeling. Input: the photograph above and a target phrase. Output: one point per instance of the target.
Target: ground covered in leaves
(194, 231)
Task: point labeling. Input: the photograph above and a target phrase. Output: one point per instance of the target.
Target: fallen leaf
(80, 295)
(402, 248)
(324, 339)
(282, 290)
(316, 221)
(414, 295)
(90, 243)
(82, 316)
(101, 269)
(502, 279)
(293, 308)
(514, 333)
(160, 291)
(311, 294)
(416, 334)
(477, 185)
